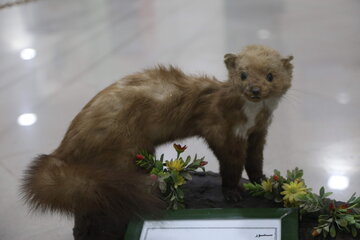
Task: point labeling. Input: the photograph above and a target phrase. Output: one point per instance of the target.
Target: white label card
(235, 229)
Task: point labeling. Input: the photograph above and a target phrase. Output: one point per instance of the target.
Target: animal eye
(243, 75)
(270, 77)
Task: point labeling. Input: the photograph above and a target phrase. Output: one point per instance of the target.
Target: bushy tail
(52, 184)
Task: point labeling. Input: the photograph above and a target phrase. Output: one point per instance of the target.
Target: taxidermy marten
(94, 170)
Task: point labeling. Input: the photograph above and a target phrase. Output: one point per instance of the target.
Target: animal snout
(256, 91)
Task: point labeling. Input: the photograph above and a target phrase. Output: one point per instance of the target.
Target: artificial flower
(179, 148)
(292, 191)
(203, 163)
(139, 157)
(179, 181)
(344, 206)
(315, 232)
(267, 185)
(176, 165)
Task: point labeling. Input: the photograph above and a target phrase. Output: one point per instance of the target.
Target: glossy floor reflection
(76, 48)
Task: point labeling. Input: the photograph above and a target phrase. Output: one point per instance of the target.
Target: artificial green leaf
(187, 176)
(169, 196)
(276, 187)
(327, 194)
(294, 174)
(300, 173)
(332, 231)
(167, 175)
(354, 231)
(342, 211)
(349, 218)
(343, 222)
(173, 197)
(322, 221)
(322, 191)
(180, 193)
(352, 198)
(325, 233)
(288, 174)
(162, 186)
(248, 186)
(337, 221)
(303, 197)
(188, 159)
(162, 158)
(175, 206)
(317, 230)
(154, 171)
(173, 175)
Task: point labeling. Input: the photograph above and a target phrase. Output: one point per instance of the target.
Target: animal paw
(232, 194)
(257, 179)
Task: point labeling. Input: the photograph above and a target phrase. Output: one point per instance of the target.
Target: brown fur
(93, 169)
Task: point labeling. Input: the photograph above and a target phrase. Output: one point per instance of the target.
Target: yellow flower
(267, 186)
(179, 181)
(292, 191)
(176, 165)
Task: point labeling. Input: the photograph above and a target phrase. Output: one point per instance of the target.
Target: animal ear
(229, 60)
(287, 62)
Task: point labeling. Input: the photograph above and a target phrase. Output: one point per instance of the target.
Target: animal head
(259, 72)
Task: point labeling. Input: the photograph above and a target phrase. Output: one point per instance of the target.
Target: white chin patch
(251, 110)
(272, 103)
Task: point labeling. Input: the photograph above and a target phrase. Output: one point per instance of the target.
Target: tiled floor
(83, 45)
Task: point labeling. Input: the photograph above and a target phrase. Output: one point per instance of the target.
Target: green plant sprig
(171, 174)
(339, 217)
(276, 187)
(333, 217)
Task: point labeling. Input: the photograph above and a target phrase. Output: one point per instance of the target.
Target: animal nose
(256, 91)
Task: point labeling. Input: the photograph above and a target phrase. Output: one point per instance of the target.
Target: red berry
(139, 157)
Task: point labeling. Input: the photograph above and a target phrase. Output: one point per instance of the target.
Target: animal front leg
(254, 156)
(231, 158)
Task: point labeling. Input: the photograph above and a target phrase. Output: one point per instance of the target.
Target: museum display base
(204, 191)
